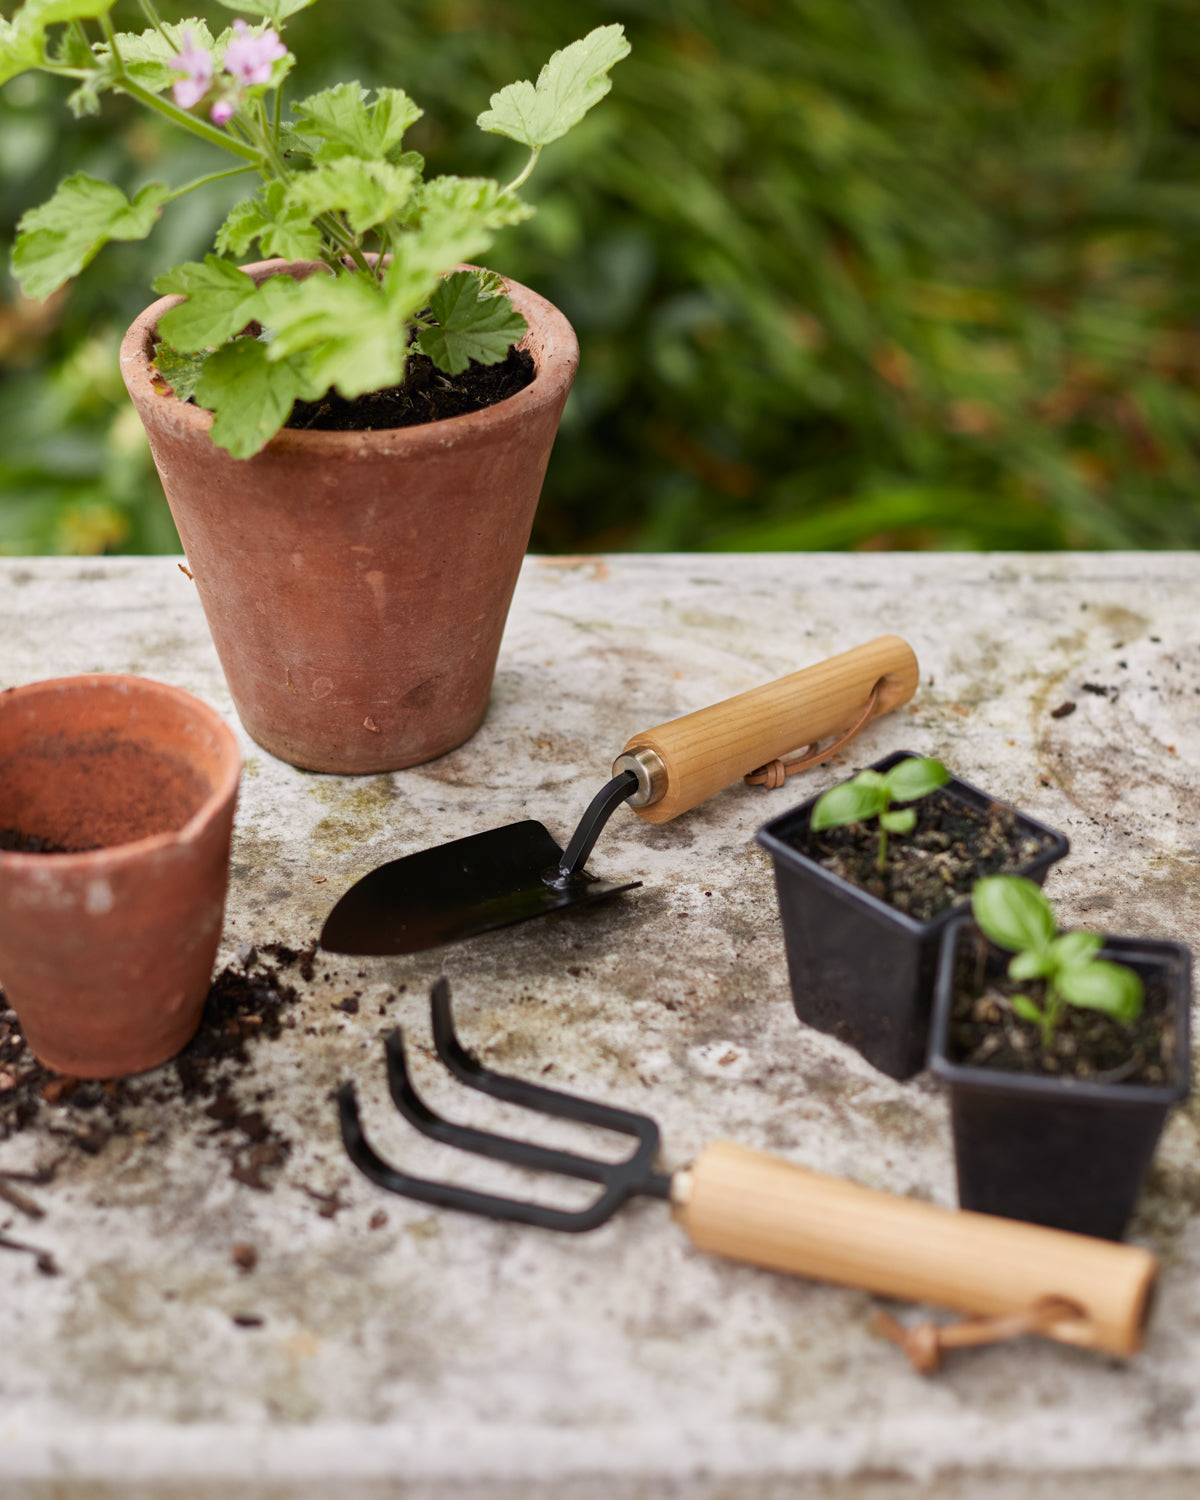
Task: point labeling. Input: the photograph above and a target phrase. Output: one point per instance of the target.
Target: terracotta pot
(356, 584)
(106, 955)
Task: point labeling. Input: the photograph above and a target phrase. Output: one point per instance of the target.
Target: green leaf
(1103, 986)
(60, 237)
(281, 226)
(220, 298)
(901, 821)
(1032, 964)
(351, 334)
(1024, 1007)
(346, 126)
(1075, 948)
(851, 802)
(251, 398)
(913, 778)
(443, 234)
(275, 10)
(55, 12)
(475, 321)
(23, 38)
(567, 87)
(366, 192)
(1013, 912)
(179, 371)
(20, 49)
(456, 220)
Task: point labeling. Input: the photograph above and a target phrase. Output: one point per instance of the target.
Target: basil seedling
(1015, 914)
(871, 794)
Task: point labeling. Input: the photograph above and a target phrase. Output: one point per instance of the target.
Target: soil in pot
(1087, 1045)
(427, 395)
(933, 868)
(17, 841)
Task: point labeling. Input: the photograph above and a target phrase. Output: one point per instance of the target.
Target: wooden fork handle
(757, 1208)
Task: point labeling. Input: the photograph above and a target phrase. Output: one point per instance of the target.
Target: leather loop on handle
(776, 772)
(925, 1344)
(758, 1209)
(716, 746)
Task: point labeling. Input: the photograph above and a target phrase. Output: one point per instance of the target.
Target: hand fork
(1008, 1277)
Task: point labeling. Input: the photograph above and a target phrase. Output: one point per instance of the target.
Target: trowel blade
(472, 885)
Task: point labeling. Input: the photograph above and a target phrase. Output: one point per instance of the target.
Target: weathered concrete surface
(438, 1354)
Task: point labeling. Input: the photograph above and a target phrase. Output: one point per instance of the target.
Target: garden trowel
(507, 875)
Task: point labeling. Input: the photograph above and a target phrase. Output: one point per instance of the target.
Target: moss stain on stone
(358, 811)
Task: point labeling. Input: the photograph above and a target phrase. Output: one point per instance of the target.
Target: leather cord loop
(925, 1344)
(775, 772)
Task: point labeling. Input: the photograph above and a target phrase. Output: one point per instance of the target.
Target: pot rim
(550, 338)
(224, 788)
(769, 838)
(1030, 1086)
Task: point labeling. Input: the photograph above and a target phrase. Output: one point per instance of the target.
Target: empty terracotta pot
(356, 584)
(106, 950)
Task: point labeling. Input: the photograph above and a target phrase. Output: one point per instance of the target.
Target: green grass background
(845, 273)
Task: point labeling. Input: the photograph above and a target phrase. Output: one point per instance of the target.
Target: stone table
(275, 1324)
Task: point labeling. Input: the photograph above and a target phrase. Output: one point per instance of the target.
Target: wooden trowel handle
(716, 746)
(756, 1208)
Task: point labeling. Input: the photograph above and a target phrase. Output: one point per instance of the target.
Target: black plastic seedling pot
(1068, 1153)
(859, 968)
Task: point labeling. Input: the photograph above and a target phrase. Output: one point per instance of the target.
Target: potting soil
(1087, 1045)
(246, 1005)
(935, 866)
(426, 395)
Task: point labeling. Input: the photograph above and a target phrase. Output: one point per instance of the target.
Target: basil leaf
(913, 778)
(1103, 986)
(1013, 912)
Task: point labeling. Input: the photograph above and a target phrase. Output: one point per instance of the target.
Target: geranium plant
(336, 186)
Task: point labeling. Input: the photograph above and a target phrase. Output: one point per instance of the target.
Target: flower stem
(155, 20)
(203, 181)
(188, 122)
(523, 176)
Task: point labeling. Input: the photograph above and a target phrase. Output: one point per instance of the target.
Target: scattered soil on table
(953, 845)
(244, 1004)
(426, 395)
(1088, 1046)
(15, 841)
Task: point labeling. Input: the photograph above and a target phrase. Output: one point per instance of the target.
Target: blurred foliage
(845, 273)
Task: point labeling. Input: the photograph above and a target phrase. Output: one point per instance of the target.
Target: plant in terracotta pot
(1063, 1053)
(866, 889)
(117, 798)
(352, 431)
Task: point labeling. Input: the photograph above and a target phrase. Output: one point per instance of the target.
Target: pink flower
(222, 112)
(250, 58)
(197, 66)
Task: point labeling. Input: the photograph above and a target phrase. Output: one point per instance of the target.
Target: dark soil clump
(15, 841)
(426, 395)
(242, 1006)
(934, 867)
(1087, 1045)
